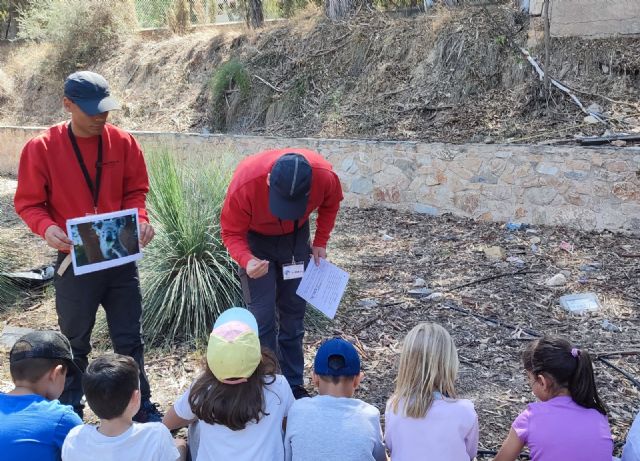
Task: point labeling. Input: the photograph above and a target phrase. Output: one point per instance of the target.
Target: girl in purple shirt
(569, 423)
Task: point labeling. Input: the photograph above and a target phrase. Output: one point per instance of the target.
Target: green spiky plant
(10, 290)
(187, 276)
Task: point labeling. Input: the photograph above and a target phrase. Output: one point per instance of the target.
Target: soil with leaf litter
(385, 252)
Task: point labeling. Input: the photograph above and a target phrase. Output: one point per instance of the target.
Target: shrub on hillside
(83, 31)
(187, 276)
(230, 84)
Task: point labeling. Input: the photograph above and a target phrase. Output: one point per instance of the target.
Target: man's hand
(256, 268)
(56, 238)
(146, 233)
(318, 252)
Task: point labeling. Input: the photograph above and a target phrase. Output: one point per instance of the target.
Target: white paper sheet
(323, 286)
(104, 240)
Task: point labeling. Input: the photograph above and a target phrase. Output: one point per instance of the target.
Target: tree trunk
(254, 15)
(339, 9)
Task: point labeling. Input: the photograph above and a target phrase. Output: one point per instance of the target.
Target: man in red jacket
(73, 169)
(265, 227)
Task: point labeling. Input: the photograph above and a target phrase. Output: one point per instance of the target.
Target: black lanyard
(295, 238)
(95, 191)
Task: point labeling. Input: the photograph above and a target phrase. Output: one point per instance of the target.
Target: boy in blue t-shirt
(33, 424)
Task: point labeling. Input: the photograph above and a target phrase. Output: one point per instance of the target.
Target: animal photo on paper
(104, 241)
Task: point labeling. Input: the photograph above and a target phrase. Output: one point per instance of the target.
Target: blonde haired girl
(423, 419)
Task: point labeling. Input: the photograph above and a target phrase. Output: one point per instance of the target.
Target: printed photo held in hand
(104, 240)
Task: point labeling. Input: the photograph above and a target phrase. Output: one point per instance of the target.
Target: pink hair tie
(234, 381)
(575, 352)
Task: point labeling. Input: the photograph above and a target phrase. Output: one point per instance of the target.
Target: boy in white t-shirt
(352, 426)
(112, 387)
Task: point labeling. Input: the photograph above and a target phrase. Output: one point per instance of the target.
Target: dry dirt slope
(450, 75)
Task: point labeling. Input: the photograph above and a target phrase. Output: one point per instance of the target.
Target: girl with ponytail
(569, 422)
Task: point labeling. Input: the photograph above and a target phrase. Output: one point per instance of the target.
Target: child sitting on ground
(334, 425)
(424, 419)
(631, 451)
(111, 385)
(569, 423)
(239, 401)
(33, 424)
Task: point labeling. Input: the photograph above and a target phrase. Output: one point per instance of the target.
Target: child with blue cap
(334, 424)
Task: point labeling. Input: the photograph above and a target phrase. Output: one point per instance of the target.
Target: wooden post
(547, 39)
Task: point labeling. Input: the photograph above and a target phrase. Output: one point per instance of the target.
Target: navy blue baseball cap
(289, 186)
(90, 92)
(340, 348)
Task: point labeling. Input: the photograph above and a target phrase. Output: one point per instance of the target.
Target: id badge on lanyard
(293, 270)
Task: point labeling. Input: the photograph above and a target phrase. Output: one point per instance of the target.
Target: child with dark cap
(33, 423)
(333, 424)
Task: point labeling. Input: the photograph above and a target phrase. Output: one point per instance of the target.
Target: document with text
(323, 286)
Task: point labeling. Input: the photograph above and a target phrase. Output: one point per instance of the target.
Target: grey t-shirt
(326, 428)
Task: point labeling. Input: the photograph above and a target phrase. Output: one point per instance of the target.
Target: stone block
(546, 168)
(484, 179)
(540, 195)
(497, 192)
(576, 175)
(467, 202)
(349, 165)
(386, 194)
(361, 186)
(426, 209)
(617, 166)
(594, 18)
(626, 191)
(11, 334)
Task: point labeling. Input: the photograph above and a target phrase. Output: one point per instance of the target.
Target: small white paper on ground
(323, 286)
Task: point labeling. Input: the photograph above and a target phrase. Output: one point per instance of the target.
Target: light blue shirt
(325, 428)
(631, 450)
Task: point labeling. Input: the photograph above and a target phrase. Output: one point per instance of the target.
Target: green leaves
(187, 276)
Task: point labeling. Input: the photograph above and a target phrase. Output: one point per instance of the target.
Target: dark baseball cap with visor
(44, 345)
(289, 186)
(90, 92)
(323, 364)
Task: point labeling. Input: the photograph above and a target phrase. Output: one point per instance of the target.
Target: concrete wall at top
(591, 18)
(586, 188)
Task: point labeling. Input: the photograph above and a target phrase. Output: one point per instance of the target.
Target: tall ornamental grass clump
(10, 290)
(187, 276)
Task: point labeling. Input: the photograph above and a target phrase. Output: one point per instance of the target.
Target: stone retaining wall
(586, 188)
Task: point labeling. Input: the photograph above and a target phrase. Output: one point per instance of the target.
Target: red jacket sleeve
(328, 210)
(136, 181)
(30, 200)
(234, 221)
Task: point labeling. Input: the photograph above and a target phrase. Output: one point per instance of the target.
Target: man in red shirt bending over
(265, 227)
(73, 169)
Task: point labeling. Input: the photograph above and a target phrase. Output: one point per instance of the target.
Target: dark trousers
(274, 302)
(77, 299)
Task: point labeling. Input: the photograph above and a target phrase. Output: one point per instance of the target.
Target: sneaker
(148, 413)
(299, 392)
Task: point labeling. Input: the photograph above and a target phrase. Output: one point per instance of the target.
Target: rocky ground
(488, 285)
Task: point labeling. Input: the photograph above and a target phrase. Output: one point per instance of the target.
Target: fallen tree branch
(268, 84)
(621, 371)
(492, 277)
(560, 86)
